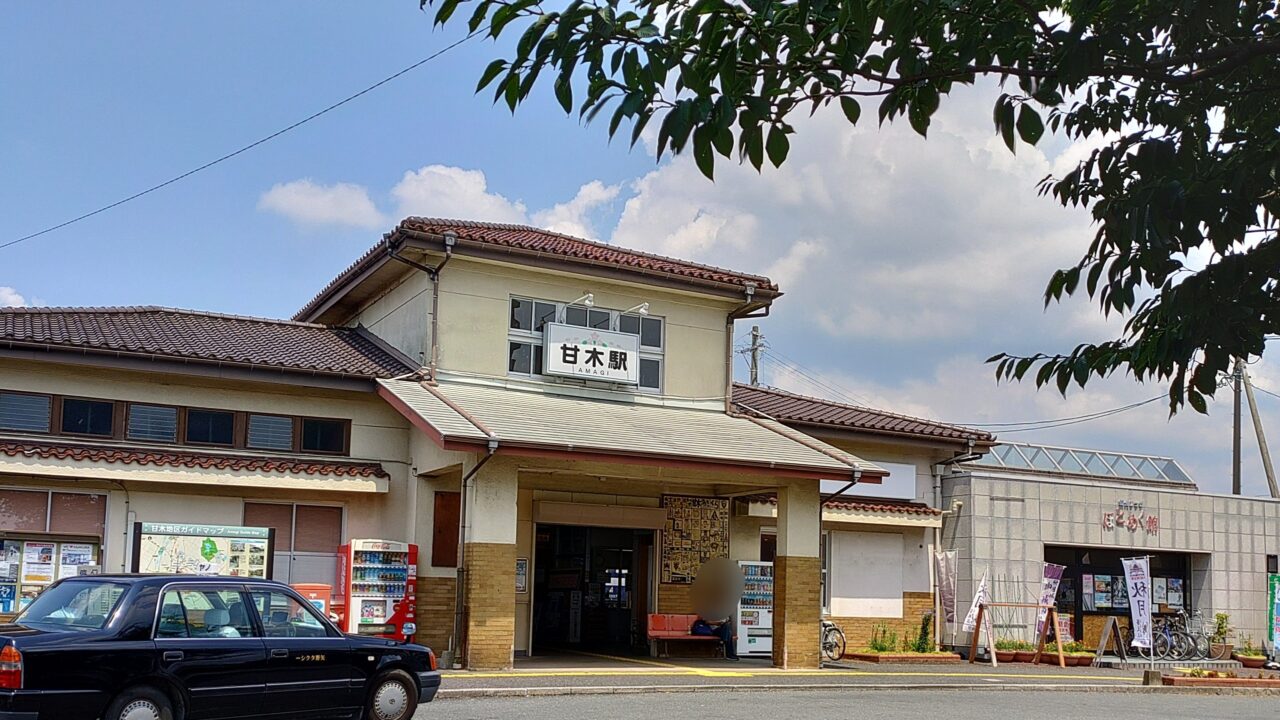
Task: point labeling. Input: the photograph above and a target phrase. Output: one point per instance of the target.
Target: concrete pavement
(784, 704)
(580, 673)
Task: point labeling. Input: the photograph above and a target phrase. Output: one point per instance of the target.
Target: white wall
(866, 574)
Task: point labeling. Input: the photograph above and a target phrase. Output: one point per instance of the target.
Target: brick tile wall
(858, 630)
(491, 605)
(436, 597)
(796, 611)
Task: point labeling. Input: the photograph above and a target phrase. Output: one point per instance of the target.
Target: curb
(523, 692)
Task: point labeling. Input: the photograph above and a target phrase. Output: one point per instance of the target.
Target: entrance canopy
(469, 416)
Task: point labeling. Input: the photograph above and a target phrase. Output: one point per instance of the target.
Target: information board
(193, 549)
(697, 530)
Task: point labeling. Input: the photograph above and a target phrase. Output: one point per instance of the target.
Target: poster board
(1273, 613)
(193, 549)
(697, 530)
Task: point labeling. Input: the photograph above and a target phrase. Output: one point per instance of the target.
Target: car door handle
(279, 653)
(172, 655)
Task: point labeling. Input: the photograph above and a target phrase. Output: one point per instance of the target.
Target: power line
(245, 148)
(828, 385)
(1086, 416)
(1084, 419)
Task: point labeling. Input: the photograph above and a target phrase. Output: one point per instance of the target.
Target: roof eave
(152, 362)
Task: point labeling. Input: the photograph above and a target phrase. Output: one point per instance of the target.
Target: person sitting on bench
(722, 629)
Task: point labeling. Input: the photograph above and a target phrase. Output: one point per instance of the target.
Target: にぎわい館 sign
(591, 354)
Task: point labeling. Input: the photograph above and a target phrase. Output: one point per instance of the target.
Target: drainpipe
(450, 239)
(743, 311)
(458, 640)
(128, 527)
(936, 470)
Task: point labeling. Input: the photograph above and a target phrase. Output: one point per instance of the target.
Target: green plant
(924, 641)
(1249, 649)
(1221, 627)
(883, 639)
(1007, 644)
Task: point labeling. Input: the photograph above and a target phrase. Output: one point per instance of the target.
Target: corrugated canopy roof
(460, 415)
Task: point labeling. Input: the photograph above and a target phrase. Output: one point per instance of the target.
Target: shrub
(883, 639)
(1221, 627)
(924, 641)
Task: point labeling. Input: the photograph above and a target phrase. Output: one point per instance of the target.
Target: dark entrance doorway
(591, 588)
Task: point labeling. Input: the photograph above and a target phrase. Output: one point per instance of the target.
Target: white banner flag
(1137, 580)
(1048, 593)
(945, 561)
(981, 597)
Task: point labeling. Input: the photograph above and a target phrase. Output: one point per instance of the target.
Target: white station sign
(590, 354)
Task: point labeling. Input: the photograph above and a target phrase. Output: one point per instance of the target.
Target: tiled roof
(193, 460)
(874, 505)
(789, 407)
(207, 337)
(552, 244)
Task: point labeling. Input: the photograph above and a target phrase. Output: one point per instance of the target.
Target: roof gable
(522, 244)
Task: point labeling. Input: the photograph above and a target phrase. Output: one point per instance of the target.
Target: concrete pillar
(490, 563)
(797, 603)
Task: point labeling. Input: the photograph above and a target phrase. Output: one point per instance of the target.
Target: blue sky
(906, 262)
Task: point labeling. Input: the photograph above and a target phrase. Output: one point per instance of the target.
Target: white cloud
(308, 203)
(573, 217)
(451, 192)
(10, 298)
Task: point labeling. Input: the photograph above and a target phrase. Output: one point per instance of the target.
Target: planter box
(1253, 662)
(1024, 656)
(1222, 682)
(1005, 656)
(905, 658)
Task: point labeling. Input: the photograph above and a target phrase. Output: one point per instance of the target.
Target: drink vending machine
(755, 609)
(377, 580)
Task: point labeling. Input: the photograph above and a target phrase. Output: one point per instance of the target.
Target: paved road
(843, 704)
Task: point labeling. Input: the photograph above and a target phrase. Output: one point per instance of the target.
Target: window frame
(48, 515)
(293, 524)
(301, 420)
(179, 422)
(534, 339)
(295, 431)
(55, 422)
(236, 423)
(117, 412)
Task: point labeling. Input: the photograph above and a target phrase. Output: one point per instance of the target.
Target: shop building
(876, 552)
(1022, 506)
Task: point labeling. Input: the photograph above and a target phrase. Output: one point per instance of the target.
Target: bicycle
(833, 642)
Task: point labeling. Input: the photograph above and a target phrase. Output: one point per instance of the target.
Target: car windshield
(74, 604)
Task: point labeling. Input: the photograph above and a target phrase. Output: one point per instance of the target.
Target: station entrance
(592, 589)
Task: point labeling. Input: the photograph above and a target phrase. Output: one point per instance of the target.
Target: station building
(539, 414)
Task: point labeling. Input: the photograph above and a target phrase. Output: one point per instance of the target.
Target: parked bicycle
(1179, 637)
(833, 642)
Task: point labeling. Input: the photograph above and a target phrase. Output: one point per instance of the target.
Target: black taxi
(178, 647)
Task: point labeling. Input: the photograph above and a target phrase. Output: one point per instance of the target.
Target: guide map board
(193, 549)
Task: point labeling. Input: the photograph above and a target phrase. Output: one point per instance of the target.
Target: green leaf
(702, 151)
(852, 110)
(1030, 126)
(777, 146)
(494, 69)
(564, 92)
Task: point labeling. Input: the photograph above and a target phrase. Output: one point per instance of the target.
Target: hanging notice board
(697, 530)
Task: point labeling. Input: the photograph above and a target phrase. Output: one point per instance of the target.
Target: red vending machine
(377, 580)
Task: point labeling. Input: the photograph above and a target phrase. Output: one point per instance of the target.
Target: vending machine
(377, 580)
(755, 609)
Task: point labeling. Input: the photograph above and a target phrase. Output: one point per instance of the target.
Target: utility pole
(1262, 437)
(1236, 382)
(755, 355)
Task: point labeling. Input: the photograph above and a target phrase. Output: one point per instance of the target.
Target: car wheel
(140, 703)
(394, 697)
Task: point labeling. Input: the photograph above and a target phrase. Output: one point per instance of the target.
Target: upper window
(326, 436)
(270, 432)
(88, 417)
(529, 317)
(145, 422)
(26, 413)
(153, 422)
(211, 427)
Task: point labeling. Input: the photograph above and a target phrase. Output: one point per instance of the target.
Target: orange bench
(665, 628)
